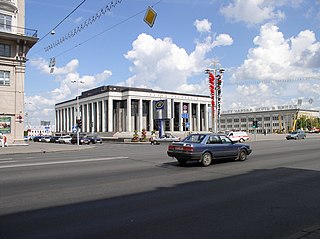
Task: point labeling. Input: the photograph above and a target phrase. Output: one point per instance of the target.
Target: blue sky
(270, 50)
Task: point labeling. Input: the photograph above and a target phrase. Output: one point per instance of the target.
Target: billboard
(160, 109)
(5, 125)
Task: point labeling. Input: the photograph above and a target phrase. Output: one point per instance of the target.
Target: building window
(266, 118)
(4, 78)
(236, 120)
(5, 50)
(5, 22)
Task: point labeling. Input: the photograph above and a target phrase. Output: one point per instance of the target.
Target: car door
(230, 149)
(215, 146)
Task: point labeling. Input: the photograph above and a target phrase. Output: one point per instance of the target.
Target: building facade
(270, 119)
(126, 109)
(15, 42)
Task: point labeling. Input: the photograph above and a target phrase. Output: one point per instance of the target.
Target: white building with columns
(115, 109)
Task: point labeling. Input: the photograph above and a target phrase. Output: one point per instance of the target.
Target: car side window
(225, 140)
(213, 139)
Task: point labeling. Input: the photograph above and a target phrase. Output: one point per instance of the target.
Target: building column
(172, 115)
(128, 114)
(61, 120)
(180, 116)
(103, 115)
(198, 117)
(68, 119)
(206, 117)
(110, 114)
(151, 115)
(64, 119)
(88, 119)
(190, 117)
(98, 116)
(140, 110)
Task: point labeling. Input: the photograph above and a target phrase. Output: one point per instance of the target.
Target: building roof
(110, 88)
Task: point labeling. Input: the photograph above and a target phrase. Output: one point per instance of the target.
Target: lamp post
(214, 73)
(78, 115)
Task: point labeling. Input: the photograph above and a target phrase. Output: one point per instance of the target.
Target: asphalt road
(136, 191)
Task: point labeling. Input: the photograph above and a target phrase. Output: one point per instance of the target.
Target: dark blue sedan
(206, 147)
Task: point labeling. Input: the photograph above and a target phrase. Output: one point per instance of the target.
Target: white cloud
(41, 107)
(253, 12)
(277, 60)
(160, 63)
(203, 25)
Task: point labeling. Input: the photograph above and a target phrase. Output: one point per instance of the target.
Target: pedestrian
(264, 132)
(5, 143)
(1, 140)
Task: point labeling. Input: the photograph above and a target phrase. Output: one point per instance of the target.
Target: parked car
(37, 138)
(95, 139)
(46, 139)
(66, 139)
(207, 147)
(238, 136)
(82, 140)
(54, 139)
(296, 135)
(167, 137)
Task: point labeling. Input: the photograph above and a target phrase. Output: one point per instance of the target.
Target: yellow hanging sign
(150, 16)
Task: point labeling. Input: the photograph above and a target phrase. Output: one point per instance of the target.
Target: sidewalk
(37, 147)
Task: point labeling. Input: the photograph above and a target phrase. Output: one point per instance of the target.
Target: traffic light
(255, 124)
(79, 123)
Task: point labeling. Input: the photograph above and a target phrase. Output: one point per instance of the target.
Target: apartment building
(15, 42)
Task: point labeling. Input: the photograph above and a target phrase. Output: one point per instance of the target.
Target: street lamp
(215, 90)
(78, 115)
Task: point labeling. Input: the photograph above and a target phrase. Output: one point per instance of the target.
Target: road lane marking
(7, 161)
(61, 162)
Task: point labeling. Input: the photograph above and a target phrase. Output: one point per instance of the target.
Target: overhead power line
(62, 20)
(108, 29)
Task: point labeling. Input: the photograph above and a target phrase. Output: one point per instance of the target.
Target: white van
(240, 136)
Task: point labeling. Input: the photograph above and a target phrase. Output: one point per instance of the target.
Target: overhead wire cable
(63, 20)
(108, 29)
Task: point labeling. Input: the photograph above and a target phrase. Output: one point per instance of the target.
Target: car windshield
(294, 132)
(194, 138)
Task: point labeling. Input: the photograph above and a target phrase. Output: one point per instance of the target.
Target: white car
(66, 139)
(238, 136)
(167, 137)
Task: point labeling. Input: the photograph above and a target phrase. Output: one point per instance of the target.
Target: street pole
(214, 106)
(78, 117)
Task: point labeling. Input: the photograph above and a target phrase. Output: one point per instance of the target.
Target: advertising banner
(5, 125)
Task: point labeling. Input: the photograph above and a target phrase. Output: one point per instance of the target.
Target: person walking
(1, 140)
(5, 143)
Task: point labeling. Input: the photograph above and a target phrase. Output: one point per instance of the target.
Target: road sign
(74, 128)
(150, 16)
(184, 116)
(187, 124)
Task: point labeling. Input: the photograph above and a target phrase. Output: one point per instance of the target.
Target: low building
(278, 119)
(127, 109)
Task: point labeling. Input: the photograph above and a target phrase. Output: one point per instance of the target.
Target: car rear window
(194, 138)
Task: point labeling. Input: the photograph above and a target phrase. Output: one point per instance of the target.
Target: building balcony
(18, 30)
(8, 5)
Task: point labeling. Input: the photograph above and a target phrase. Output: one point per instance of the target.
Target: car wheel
(241, 140)
(242, 155)
(206, 159)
